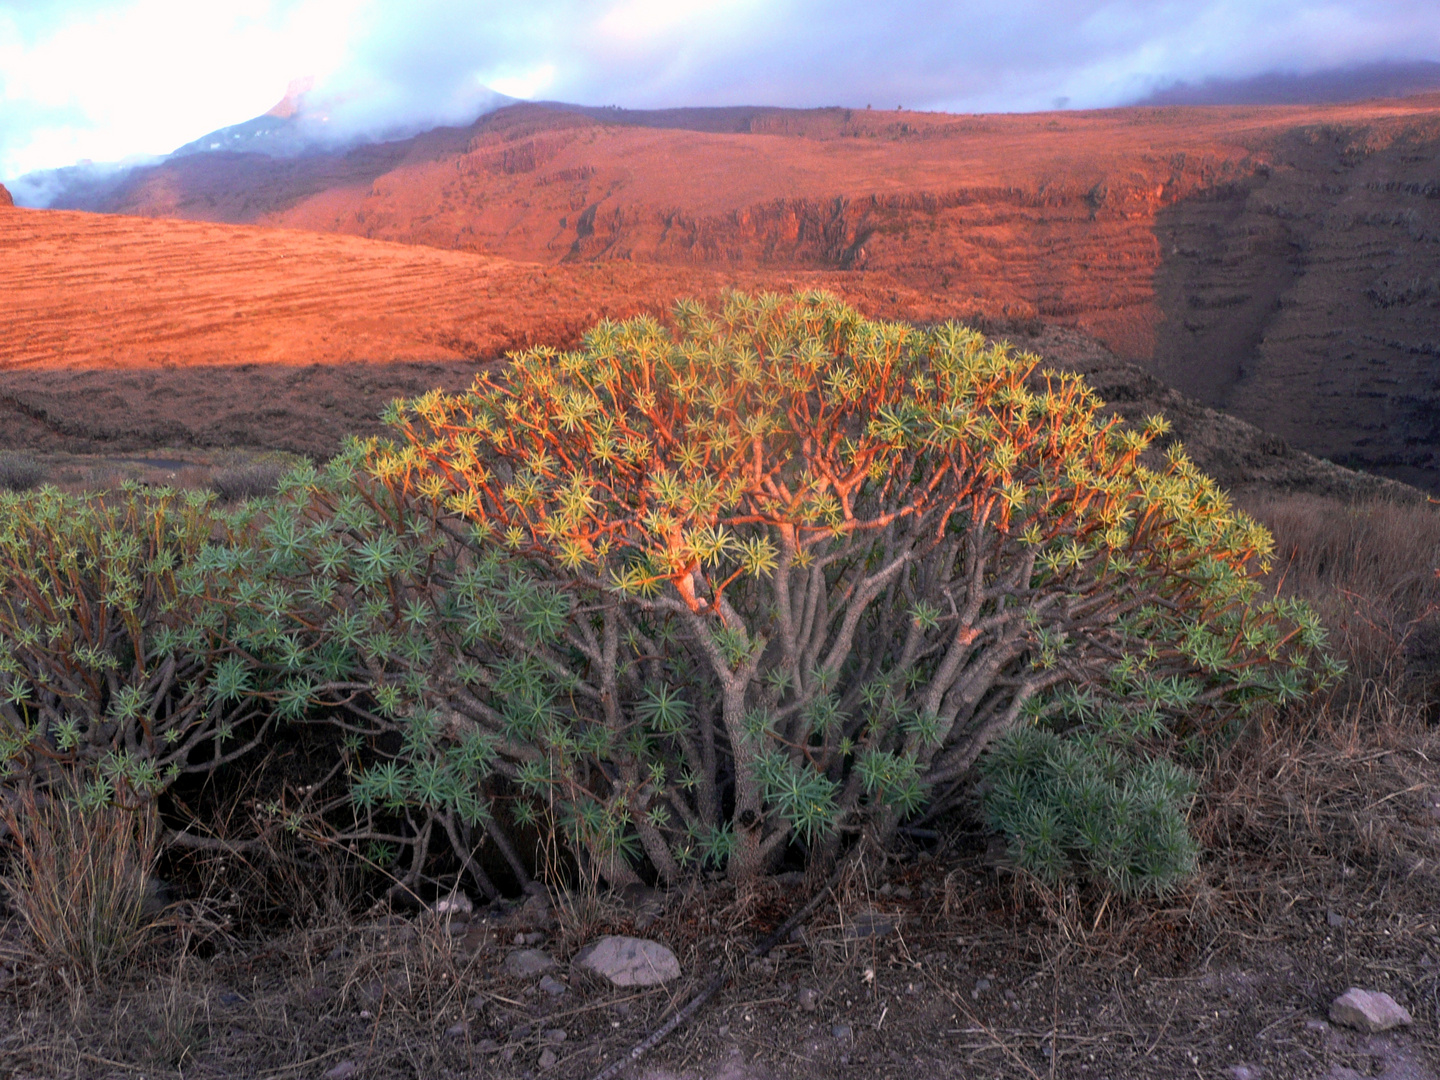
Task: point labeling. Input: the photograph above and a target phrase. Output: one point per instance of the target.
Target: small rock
(529, 962)
(344, 1071)
(487, 1046)
(229, 997)
(536, 912)
(1368, 1010)
(519, 939)
(807, 999)
(628, 961)
(521, 1031)
(458, 1031)
(555, 1036)
(1336, 920)
(903, 892)
(1244, 1072)
(535, 937)
(723, 1031)
(552, 986)
(475, 939)
(982, 985)
(1317, 1026)
(843, 1032)
(548, 1058)
(455, 906)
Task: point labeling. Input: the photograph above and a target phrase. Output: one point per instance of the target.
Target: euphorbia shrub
(779, 576)
(113, 659)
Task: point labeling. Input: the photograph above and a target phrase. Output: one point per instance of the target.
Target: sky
(114, 79)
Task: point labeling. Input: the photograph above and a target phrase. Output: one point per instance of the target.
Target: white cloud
(524, 84)
(106, 78)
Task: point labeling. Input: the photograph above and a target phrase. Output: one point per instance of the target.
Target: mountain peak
(293, 100)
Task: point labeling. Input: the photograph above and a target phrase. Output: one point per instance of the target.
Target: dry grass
(250, 481)
(79, 880)
(20, 472)
(1371, 572)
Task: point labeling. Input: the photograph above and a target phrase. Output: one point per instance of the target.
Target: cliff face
(5, 199)
(1269, 260)
(1306, 298)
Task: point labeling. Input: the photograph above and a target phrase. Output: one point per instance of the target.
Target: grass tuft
(79, 880)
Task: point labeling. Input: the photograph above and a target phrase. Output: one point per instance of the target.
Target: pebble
(344, 1071)
(548, 1058)
(529, 962)
(843, 1032)
(552, 986)
(1368, 1010)
(807, 999)
(1244, 1072)
(627, 961)
(555, 1036)
(456, 906)
(487, 1046)
(458, 1031)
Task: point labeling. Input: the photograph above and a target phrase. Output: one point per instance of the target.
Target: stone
(1245, 1072)
(487, 1046)
(554, 1036)
(1336, 920)
(843, 1032)
(6, 199)
(455, 906)
(807, 999)
(526, 962)
(344, 1071)
(1368, 1010)
(627, 961)
(458, 1031)
(548, 1058)
(552, 986)
(229, 997)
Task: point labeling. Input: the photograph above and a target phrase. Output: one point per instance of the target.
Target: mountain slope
(1272, 261)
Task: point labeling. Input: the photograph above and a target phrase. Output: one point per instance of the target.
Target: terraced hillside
(124, 333)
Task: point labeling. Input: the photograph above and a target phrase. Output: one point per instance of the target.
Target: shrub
(112, 655)
(20, 472)
(769, 584)
(252, 481)
(782, 577)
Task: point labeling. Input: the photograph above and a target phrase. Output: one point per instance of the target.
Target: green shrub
(111, 645)
(772, 581)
